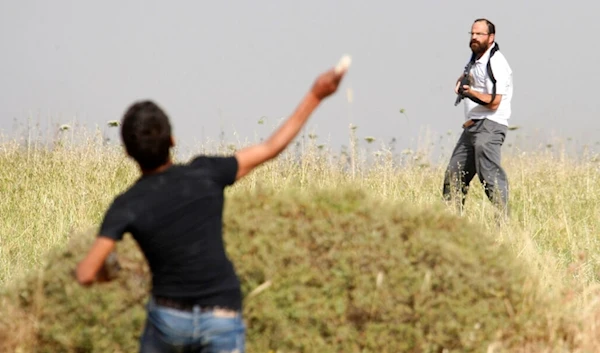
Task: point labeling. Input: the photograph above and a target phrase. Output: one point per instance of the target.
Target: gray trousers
(478, 152)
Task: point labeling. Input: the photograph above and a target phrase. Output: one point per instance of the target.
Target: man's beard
(477, 47)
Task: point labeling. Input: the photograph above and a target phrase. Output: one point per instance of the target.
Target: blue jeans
(172, 330)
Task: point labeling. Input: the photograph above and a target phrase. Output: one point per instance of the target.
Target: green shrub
(347, 273)
(351, 273)
(70, 318)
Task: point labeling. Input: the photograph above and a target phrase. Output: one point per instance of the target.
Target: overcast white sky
(223, 65)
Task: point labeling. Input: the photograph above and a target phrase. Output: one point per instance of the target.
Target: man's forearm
(487, 98)
(292, 126)
(484, 97)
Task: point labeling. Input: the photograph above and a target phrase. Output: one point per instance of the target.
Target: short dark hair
(490, 25)
(146, 133)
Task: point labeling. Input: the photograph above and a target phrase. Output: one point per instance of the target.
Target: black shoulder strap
(470, 64)
(489, 64)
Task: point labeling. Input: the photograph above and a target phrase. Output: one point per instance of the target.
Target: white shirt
(481, 82)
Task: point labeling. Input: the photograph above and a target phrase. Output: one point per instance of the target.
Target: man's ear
(172, 141)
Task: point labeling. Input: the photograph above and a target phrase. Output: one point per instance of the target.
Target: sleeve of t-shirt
(502, 74)
(117, 220)
(223, 169)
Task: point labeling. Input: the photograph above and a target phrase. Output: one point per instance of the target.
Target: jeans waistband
(189, 306)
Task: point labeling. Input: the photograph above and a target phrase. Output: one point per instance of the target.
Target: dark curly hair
(146, 133)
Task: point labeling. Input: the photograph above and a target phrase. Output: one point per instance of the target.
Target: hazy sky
(223, 65)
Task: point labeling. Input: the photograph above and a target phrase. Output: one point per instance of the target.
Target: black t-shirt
(176, 218)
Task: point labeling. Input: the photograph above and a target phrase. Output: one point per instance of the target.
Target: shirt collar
(485, 57)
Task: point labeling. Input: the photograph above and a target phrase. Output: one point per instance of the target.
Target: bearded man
(486, 87)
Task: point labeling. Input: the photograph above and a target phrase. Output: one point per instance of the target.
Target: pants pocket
(225, 335)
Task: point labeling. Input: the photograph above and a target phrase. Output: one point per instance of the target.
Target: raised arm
(250, 157)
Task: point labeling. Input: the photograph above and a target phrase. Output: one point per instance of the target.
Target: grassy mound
(51, 312)
(322, 271)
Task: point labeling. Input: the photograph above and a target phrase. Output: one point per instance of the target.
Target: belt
(189, 305)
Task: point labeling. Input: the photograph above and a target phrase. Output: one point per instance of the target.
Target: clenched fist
(327, 83)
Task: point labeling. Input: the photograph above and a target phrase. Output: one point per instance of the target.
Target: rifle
(464, 81)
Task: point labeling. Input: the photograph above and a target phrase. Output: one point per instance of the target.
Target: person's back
(176, 218)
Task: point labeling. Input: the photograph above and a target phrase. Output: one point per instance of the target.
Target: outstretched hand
(327, 83)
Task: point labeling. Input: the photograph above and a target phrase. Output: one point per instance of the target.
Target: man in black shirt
(174, 212)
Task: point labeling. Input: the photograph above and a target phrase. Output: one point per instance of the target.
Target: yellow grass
(554, 225)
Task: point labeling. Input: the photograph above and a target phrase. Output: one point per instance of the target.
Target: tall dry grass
(49, 192)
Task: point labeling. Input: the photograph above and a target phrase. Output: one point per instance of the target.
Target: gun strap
(494, 49)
